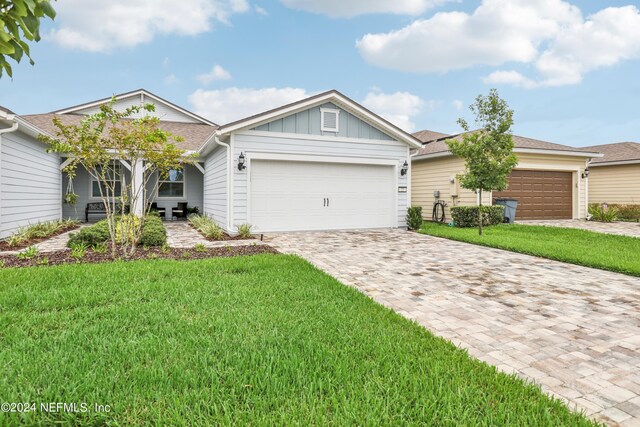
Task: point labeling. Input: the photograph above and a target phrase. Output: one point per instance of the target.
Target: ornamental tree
(19, 24)
(111, 144)
(487, 151)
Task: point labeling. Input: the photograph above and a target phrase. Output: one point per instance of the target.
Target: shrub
(125, 228)
(603, 212)
(78, 250)
(628, 212)
(153, 232)
(207, 226)
(467, 216)
(414, 217)
(29, 253)
(244, 231)
(93, 235)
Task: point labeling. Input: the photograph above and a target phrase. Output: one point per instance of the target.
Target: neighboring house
(548, 181)
(325, 162)
(615, 178)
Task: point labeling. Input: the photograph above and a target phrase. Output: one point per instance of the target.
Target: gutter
(13, 128)
(229, 177)
(517, 150)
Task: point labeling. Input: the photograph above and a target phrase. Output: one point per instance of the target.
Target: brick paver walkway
(573, 330)
(182, 235)
(622, 228)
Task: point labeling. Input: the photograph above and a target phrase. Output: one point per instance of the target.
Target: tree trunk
(480, 212)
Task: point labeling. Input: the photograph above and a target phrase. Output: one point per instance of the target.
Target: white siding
(259, 142)
(215, 186)
(163, 111)
(29, 183)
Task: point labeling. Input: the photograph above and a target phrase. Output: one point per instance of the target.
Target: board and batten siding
(215, 186)
(30, 189)
(251, 142)
(307, 122)
(618, 184)
(163, 112)
(429, 175)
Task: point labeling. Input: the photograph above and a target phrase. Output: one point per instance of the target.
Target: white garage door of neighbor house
(289, 196)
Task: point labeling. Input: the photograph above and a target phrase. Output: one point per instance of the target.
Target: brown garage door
(540, 194)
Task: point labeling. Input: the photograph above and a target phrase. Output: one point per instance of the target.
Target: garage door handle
(327, 202)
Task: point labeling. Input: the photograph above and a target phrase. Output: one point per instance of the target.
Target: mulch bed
(4, 245)
(91, 257)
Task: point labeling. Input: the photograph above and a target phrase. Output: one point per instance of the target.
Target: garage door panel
(540, 194)
(286, 195)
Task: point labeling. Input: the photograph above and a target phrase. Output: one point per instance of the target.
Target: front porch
(179, 189)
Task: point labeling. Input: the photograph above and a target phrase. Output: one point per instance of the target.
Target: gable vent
(329, 119)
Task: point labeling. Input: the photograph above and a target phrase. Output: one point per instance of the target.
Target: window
(329, 119)
(172, 186)
(112, 174)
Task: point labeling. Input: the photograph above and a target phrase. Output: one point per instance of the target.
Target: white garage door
(288, 196)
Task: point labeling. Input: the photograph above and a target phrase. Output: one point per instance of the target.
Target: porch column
(137, 188)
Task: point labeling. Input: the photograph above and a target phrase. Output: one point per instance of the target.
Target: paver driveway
(574, 330)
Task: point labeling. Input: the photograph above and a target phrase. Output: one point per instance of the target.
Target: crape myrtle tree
(487, 151)
(106, 144)
(19, 24)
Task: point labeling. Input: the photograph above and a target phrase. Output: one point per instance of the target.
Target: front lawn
(262, 340)
(582, 247)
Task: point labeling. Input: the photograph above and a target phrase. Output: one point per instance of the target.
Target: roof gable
(333, 97)
(164, 110)
(308, 122)
(618, 152)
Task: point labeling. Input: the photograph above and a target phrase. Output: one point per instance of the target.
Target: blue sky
(568, 69)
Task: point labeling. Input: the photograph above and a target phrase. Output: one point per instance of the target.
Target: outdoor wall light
(405, 169)
(241, 165)
(585, 174)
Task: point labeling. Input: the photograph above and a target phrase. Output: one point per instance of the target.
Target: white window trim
(92, 180)
(184, 188)
(333, 111)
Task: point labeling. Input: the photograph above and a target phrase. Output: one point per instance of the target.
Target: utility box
(510, 206)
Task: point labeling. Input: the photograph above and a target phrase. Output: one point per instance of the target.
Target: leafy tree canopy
(19, 24)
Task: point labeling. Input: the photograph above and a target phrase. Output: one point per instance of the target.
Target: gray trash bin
(510, 206)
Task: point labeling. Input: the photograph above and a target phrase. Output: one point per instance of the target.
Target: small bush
(93, 235)
(467, 216)
(207, 226)
(414, 217)
(628, 212)
(40, 230)
(29, 253)
(603, 212)
(78, 250)
(153, 232)
(244, 231)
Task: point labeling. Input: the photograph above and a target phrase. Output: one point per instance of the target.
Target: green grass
(263, 340)
(582, 247)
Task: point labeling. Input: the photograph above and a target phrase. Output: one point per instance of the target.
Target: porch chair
(161, 211)
(180, 211)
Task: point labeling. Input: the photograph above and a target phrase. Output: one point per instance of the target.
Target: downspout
(13, 128)
(586, 193)
(229, 176)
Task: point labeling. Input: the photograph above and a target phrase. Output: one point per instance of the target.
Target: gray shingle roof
(440, 146)
(429, 135)
(194, 134)
(618, 152)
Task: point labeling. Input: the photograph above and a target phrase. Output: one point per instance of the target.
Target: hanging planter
(70, 198)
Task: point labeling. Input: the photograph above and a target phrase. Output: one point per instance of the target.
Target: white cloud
(216, 73)
(261, 11)
(171, 79)
(350, 8)
(166, 62)
(399, 108)
(226, 105)
(457, 104)
(550, 35)
(102, 25)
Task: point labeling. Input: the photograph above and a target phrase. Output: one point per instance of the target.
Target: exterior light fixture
(405, 169)
(585, 174)
(241, 165)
